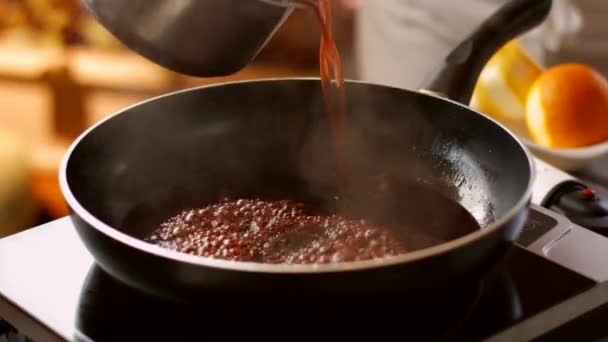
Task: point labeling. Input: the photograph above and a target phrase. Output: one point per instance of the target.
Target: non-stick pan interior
(271, 139)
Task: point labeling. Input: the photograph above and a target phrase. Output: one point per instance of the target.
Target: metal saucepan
(195, 37)
(269, 137)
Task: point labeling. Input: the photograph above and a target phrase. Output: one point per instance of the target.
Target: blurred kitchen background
(60, 72)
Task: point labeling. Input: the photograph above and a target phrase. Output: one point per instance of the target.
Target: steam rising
(271, 139)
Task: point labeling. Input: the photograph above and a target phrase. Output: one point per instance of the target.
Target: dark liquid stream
(332, 83)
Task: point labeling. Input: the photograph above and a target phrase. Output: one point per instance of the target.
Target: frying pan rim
(142, 246)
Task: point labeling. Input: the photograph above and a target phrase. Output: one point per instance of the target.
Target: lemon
(503, 85)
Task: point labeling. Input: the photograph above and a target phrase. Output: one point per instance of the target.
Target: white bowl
(569, 159)
(572, 159)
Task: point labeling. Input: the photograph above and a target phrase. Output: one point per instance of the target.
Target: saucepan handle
(456, 77)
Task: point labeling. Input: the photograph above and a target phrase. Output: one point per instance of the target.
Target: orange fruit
(567, 107)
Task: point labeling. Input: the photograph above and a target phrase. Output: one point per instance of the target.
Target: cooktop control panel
(555, 237)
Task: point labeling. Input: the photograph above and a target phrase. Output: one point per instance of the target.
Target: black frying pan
(270, 138)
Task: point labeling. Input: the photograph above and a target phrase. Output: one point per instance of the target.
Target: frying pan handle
(457, 76)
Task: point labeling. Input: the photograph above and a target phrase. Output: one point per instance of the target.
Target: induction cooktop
(550, 286)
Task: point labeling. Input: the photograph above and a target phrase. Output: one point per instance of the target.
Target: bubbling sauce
(274, 232)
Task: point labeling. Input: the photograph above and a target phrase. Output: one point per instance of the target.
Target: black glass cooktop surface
(522, 286)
